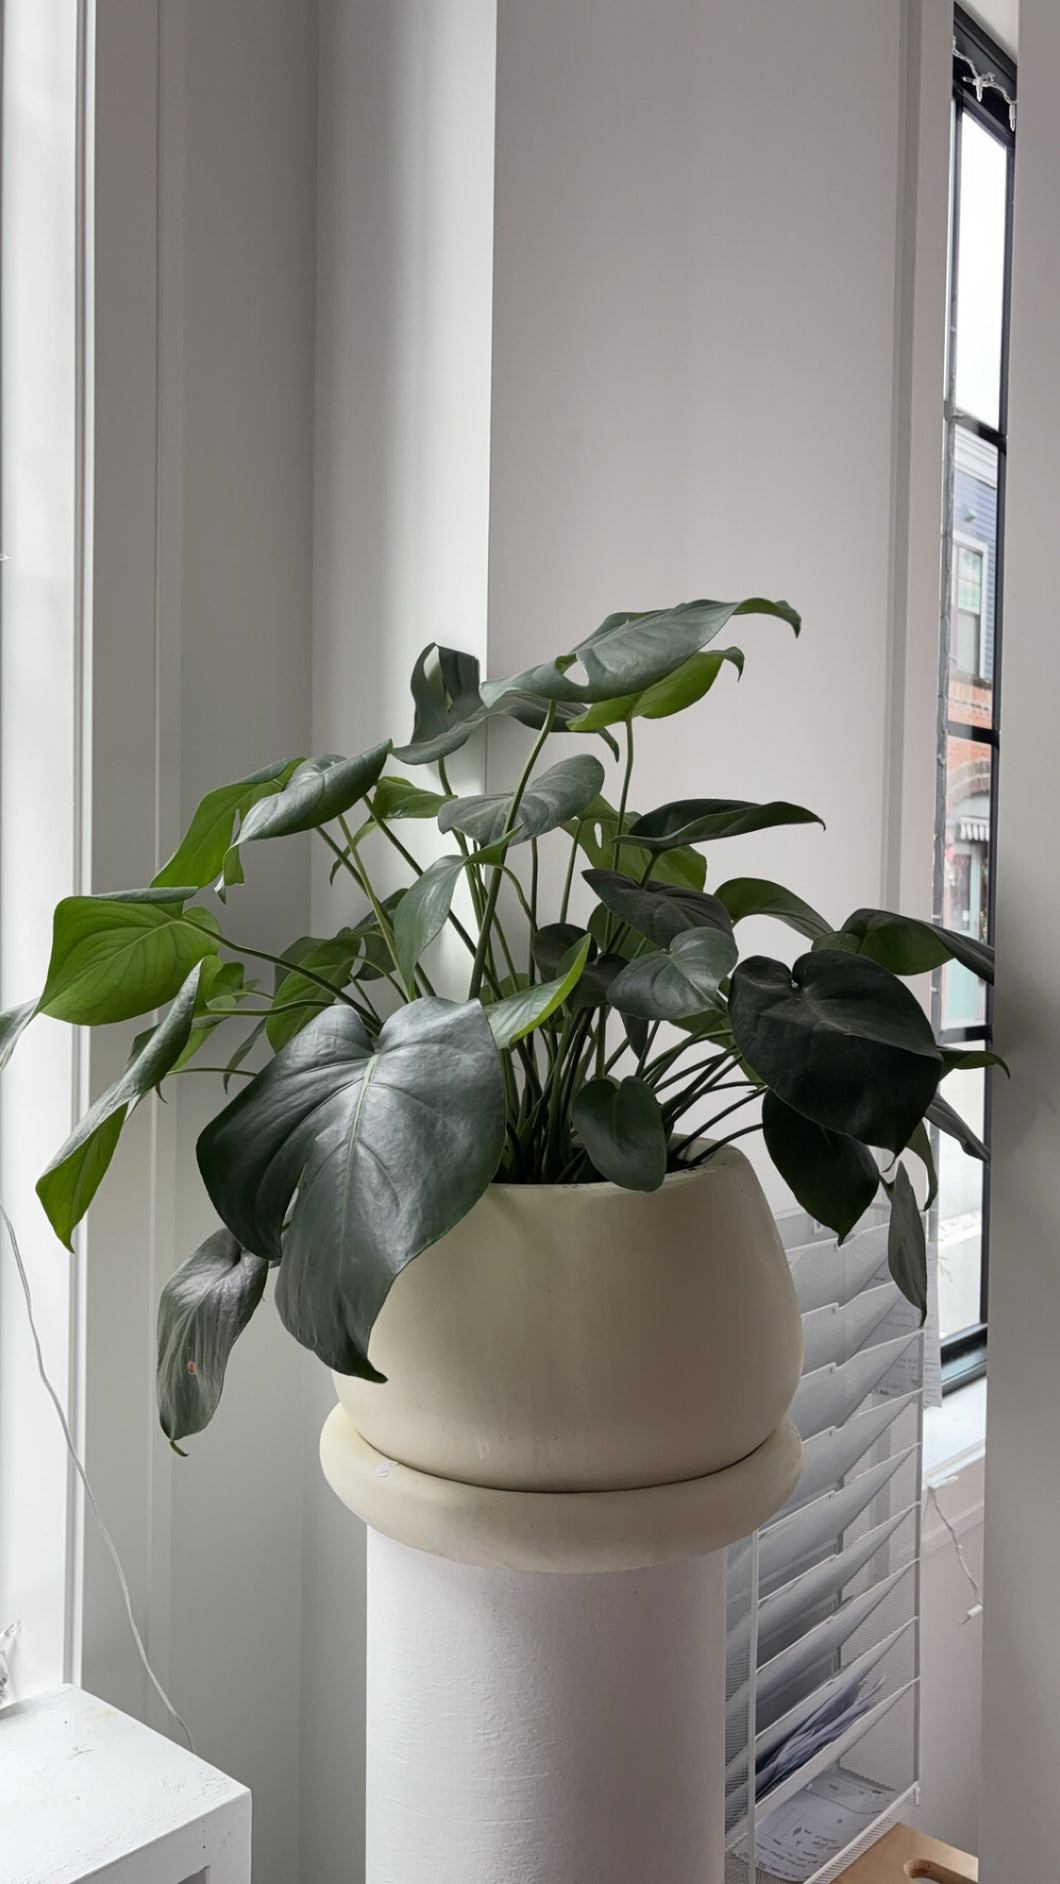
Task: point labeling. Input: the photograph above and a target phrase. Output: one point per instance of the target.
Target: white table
(85, 1792)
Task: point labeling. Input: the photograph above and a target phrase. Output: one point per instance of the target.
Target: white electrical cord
(89, 1494)
(977, 1606)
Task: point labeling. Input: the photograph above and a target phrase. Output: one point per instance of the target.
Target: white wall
(205, 181)
(1021, 1726)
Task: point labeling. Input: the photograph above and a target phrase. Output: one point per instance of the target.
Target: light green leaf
(518, 1014)
(71, 1180)
(203, 1310)
(679, 690)
(595, 829)
(114, 957)
(621, 1126)
(201, 852)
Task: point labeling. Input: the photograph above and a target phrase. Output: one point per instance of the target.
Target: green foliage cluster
(579, 1052)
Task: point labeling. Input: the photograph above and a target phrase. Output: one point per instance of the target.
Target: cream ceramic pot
(585, 1337)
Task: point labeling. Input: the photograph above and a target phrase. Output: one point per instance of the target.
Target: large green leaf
(548, 801)
(909, 947)
(298, 998)
(114, 957)
(595, 831)
(630, 652)
(13, 1023)
(699, 820)
(830, 1175)
(756, 896)
(398, 798)
(906, 1249)
(672, 983)
(679, 690)
(317, 791)
(387, 1149)
(660, 911)
(201, 852)
(71, 1180)
(203, 1310)
(518, 1014)
(840, 1040)
(621, 1126)
(423, 910)
(942, 1114)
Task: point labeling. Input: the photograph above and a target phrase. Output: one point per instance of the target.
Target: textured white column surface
(544, 1728)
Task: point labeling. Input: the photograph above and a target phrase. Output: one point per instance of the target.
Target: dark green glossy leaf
(201, 852)
(556, 943)
(630, 652)
(114, 957)
(920, 1146)
(679, 690)
(830, 1175)
(756, 896)
(71, 1180)
(387, 1149)
(423, 910)
(957, 1059)
(519, 1013)
(906, 1249)
(548, 801)
(840, 1040)
(595, 831)
(621, 1126)
(13, 1023)
(317, 791)
(942, 1114)
(909, 947)
(659, 911)
(703, 820)
(203, 1310)
(672, 983)
(448, 706)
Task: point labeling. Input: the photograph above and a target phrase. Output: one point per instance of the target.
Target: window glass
(980, 271)
(960, 1210)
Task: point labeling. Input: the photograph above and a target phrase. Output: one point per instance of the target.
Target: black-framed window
(982, 156)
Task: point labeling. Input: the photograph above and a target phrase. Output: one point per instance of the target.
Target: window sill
(955, 1432)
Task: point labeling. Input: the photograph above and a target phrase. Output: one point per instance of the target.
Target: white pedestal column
(529, 1728)
(546, 1670)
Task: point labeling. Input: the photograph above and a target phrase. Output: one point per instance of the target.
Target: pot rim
(726, 1154)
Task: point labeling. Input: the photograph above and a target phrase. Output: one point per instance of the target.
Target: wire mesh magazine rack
(823, 1603)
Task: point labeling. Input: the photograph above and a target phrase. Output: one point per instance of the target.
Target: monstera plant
(607, 1030)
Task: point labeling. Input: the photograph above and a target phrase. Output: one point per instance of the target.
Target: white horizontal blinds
(821, 1716)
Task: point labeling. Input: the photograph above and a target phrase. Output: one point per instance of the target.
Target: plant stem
(694, 1163)
(385, 929)
(690, 1137)
(278, 961)
(479, 964)
(624, 799)
(569, 879)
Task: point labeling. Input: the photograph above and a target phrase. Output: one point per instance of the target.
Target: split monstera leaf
(608, 1029)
